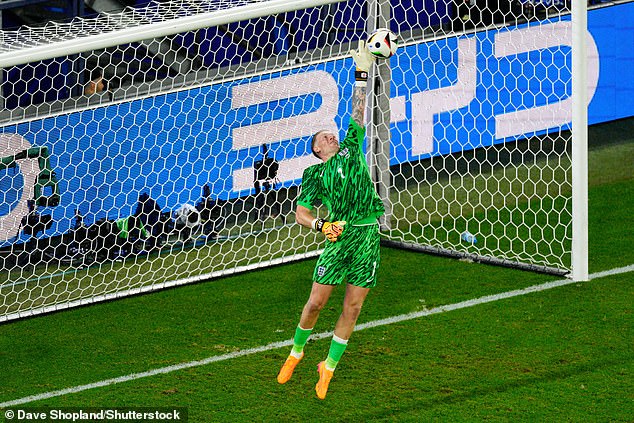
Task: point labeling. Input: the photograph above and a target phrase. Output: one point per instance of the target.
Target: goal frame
(378, 129)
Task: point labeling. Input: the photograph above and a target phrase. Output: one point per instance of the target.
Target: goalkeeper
(342, 183)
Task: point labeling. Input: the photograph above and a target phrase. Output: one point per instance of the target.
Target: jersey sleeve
(355, 136)
(310, 193)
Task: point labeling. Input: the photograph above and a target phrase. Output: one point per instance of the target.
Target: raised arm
(363, 60)
(358, 105)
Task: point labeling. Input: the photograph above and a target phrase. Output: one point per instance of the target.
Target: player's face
(326, 144)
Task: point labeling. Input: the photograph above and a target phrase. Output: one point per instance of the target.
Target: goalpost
(185, 165)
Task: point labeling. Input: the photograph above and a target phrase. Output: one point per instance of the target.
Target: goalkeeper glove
(363, 60)
(332, 230)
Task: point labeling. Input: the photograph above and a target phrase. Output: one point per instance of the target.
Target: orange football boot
(287, 369)
(324, 380)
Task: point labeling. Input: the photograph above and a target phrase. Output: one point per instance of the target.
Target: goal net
(162, 145)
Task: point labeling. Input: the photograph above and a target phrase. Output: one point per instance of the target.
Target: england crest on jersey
(321, 271)
(344, 153)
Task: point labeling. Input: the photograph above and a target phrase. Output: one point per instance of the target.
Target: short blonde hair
(313, 141)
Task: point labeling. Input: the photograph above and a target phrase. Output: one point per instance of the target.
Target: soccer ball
(187, 216)
(382, 43)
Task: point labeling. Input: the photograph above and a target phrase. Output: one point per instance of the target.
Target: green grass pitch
(563, 354)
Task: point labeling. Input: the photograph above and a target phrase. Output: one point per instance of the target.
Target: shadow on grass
(488, 388)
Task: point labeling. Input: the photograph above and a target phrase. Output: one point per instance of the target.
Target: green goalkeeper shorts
(355, 256)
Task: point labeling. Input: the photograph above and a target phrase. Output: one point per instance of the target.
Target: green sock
(300, 339)
(337, 347)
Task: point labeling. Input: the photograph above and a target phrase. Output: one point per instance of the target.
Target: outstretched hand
(363, 59)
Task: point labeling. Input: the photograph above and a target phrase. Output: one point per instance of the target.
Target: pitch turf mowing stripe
(288, 343)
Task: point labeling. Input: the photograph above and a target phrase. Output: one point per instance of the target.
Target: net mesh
(129, 17)
(165, 161)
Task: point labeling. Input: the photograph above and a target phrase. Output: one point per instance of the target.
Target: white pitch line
(276, 345)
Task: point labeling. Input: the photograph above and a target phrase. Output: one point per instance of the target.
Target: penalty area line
(275, 345)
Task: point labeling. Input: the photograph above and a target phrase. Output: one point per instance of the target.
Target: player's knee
(315, 305)
(352, 309)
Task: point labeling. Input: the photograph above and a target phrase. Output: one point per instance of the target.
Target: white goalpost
(159, 146)
(579, 249)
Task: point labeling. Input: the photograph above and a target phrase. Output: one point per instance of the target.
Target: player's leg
(326, 277)
(319, 296)
(352, 303)
(361, 278)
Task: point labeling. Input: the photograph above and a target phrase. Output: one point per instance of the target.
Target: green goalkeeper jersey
(343, 183)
